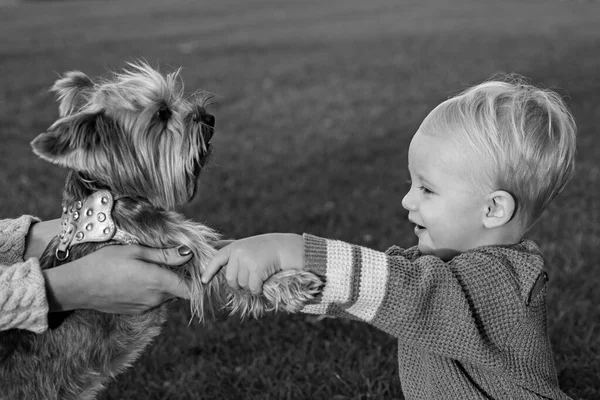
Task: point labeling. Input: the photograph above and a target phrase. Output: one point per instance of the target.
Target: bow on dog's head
(134, 133)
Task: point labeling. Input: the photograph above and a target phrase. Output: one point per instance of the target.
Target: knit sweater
(471, 328)
(23, 303)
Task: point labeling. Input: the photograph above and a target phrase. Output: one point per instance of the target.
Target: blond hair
(525, 136)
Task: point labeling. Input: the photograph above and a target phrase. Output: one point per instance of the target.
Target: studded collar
(89, 220)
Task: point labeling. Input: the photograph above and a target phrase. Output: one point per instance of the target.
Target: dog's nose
(208, 119)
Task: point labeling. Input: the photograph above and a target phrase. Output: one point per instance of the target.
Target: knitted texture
(23, 303)
(471, 328)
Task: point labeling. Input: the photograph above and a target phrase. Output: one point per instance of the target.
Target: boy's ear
(73, 91)
(500, 209)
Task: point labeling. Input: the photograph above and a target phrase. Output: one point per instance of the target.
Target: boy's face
(447, 210)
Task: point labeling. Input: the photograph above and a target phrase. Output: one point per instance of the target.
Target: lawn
(316, 102)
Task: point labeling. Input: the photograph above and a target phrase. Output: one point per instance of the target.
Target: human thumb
(175, 285)
(173, 256)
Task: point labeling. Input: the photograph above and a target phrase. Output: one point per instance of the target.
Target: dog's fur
(137, 136)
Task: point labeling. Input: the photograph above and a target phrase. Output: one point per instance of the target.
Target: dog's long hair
(136, 134)
(137, 137)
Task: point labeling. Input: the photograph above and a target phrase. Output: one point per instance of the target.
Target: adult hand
(117, 279)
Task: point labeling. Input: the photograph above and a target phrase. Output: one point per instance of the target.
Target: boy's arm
(463, 309)
(450, 310)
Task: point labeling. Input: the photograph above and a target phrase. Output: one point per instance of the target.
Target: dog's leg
(287, 291)
(284, 291)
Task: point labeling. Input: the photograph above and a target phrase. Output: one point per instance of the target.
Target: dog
(135, 146)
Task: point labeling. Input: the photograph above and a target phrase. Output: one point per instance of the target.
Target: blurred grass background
(316, 105)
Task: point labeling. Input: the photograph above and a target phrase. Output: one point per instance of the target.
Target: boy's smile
(442, 202)
(419, 229)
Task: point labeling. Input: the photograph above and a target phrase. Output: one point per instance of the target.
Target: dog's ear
(68, 141)
(73, 91)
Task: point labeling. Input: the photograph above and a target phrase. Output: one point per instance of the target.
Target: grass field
(316, 105)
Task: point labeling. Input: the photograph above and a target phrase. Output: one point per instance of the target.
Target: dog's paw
(290, 290)
(284, 291)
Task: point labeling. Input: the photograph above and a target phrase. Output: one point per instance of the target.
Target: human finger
(173, 256)
(242, 278)
(175, 286)
(219, 260)
(255, 284)
(231, 273)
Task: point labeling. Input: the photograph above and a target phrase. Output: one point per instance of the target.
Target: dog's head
(134, 133)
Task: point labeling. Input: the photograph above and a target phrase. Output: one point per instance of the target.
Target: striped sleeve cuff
(23, 303)
(355, 277)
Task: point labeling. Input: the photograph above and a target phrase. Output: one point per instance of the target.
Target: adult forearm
(58, 281)
(40, 234)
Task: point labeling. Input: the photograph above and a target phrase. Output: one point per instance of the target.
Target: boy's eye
(425, 190)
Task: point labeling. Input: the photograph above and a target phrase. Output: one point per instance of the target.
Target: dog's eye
(163, 114)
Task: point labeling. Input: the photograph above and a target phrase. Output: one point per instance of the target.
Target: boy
(468, 303)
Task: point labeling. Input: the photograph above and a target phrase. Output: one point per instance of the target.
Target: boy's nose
(408, 201)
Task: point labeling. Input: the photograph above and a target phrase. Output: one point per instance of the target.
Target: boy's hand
(251, 261)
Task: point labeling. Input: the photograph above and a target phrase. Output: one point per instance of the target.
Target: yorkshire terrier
(135, 146)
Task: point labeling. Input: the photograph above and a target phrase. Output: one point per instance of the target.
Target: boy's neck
(505, 235)
(502, 236)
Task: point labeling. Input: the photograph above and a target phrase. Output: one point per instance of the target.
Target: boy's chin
(425, 250)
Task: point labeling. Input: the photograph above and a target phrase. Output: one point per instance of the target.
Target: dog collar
(89, 220)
